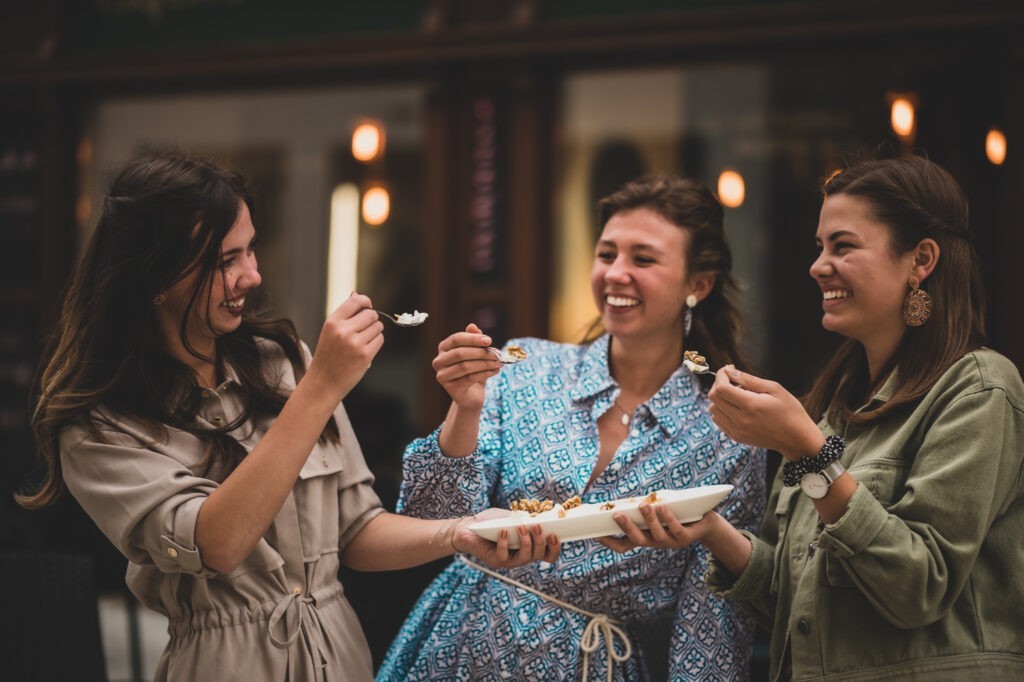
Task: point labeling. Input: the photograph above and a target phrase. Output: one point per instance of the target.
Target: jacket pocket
(322, 461)
(885, 479)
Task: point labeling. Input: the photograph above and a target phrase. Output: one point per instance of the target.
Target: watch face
(814, 485)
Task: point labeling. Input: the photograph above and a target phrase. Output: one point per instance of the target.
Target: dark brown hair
(915, 199)
(163, 219)
(691, 206)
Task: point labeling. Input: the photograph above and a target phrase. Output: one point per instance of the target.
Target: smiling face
(863, 282)
(218, 309)
(639, 276)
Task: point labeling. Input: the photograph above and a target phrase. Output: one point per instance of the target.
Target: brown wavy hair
(915, 199)
(691, 206)
(163, 219)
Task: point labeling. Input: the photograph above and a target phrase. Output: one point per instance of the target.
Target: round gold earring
(917, 306)
(159, 299)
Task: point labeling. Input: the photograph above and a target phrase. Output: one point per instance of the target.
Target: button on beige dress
(282, 614)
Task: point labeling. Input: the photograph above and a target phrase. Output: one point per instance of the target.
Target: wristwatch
(816, 486)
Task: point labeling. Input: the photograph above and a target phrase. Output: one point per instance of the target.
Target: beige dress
(282, 614)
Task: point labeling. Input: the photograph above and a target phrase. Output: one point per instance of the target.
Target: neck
(879, 353)
(205, 367)
(643, 367)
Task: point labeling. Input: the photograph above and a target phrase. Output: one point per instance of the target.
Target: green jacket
(923, 576)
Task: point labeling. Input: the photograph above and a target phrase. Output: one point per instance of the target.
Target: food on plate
(576, 520)
(532, 506)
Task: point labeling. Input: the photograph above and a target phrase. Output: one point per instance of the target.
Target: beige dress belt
(295, 614)
(598, 627)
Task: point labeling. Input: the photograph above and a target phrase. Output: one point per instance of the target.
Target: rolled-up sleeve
(144, 501)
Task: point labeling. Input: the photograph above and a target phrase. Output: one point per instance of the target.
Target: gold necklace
(626, 416)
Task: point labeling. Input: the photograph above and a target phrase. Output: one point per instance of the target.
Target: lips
(235, 306)
(621, 301)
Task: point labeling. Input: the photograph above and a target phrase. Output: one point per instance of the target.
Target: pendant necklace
(625, 415)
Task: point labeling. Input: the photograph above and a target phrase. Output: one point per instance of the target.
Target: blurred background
(446, 156)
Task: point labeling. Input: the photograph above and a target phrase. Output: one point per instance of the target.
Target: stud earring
(691, 301)
(917, 306)
(159, 299)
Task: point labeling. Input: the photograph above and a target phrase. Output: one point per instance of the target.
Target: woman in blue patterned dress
(616, 417)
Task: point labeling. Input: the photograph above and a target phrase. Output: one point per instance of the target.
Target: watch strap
(833, 471)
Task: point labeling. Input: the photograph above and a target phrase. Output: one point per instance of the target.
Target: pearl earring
(691, 301)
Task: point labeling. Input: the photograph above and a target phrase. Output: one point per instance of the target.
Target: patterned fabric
(539, 439)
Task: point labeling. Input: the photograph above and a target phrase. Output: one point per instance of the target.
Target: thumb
(748, 381)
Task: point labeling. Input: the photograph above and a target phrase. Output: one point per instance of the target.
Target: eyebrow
(838, 234)
(635, 247)
(238, 249)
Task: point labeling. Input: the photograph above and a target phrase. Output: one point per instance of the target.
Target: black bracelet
(832, 450)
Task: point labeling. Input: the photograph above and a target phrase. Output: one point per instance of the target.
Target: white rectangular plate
(590, 521)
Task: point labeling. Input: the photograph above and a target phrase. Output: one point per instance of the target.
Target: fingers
(630, 530)
(663, 531)
(474, 339)
(751, 382)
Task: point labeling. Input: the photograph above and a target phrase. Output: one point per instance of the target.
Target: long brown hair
(692, 207)
(915, 199)
(163, 219)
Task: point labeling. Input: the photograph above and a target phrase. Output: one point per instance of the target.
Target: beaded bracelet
(832, 450)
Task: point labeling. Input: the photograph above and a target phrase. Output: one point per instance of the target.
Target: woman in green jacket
(892, 544)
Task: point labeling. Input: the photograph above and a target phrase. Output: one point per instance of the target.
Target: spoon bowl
(510, 356)
(413, 319)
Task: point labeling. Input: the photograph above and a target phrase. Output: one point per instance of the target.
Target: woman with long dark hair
(892, 545)
(211, 448)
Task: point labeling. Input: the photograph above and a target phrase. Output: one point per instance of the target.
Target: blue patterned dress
(538, 439)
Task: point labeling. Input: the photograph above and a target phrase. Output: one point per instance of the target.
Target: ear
(926, 257)
(701, 284)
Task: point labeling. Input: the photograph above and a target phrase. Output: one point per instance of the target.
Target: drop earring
(917, 306)
(691, 303)
(159, 299)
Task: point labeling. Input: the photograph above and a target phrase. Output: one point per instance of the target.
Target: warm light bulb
(376, 205)
(367, 140)
(995, 146)
(731, 189)
(901, 117)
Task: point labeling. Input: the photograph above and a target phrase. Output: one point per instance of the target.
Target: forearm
(730, 547)
(237, 514)
(391, 542)
(460, 432)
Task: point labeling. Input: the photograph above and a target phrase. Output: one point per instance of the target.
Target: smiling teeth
(238, 303)
(622, 301)
(836, 293)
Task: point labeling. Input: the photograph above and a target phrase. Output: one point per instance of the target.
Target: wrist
(831, 451)
(455, 533)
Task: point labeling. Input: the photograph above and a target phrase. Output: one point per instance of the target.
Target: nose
(249, 278)
(821, 266)
(618, 271)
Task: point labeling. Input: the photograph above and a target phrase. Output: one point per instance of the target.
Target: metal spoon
(413, 319)
(504, 357)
